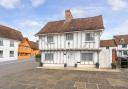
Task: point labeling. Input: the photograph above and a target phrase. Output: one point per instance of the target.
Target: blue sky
(29, 16)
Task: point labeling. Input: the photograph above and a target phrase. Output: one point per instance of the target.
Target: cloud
(117, 4)
(9, 4)
(79, 12)
(30, 27)
(118, 30)
(36, 3)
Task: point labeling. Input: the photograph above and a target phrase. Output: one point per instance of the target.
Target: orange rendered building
(27, 49)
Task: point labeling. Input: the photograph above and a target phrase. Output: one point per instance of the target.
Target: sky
(29, 16)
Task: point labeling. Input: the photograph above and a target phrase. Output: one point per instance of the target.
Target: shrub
(38, 56)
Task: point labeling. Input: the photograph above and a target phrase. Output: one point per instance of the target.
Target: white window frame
(86, 58)
(1, 55)
(11, 43)
(69, 36)
(50, 39)
(49, 56)
(91, 37)
(1, 42)
(11, 55)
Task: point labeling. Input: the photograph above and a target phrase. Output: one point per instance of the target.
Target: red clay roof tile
(79, 24)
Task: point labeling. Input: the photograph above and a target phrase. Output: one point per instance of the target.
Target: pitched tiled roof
(80, 24)
(121, 39)
(6, 32)
(34, 45)
(108, 43)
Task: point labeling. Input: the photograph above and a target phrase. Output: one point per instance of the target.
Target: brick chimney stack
(68, 16)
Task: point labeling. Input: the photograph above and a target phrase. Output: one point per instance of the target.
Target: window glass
(124, 45)
(49, 39)
(1, 42)
(49, 56)
(11, 53)
(69, 36)
(107, 47)
(87, 56)
(11, 43)
(125, 53)
(1, 53)
(89, 36)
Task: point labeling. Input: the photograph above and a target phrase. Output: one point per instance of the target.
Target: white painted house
(71, 41)
(122, 45)
(9, 42)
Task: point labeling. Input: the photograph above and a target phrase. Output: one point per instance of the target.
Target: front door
(70, 59)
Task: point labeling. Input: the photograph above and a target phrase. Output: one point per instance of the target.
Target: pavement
(64, 79)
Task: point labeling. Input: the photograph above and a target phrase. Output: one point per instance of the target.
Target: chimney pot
(68, 16)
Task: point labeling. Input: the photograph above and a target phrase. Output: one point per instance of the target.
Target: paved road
(11, 67)
(64, 79)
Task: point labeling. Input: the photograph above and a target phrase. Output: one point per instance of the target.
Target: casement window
(1, 42)
(1, 53)
(86, 56)
(125, 53)
(11, 53)
(49, 39)
(49, 56)
(69, 36)
(11, 43)
(124, 45)
(89, 36)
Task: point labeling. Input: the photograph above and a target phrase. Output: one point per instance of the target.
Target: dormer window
(69, 36)
(49, 39)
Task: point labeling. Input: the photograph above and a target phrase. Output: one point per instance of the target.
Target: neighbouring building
(71, 41)
(34, 48)
(9, 42)
(113, 49)
(108, 53)
(122, 45)
(27, 49)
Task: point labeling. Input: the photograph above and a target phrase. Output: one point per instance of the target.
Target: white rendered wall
(78, 41)
(105, 58)
(60, 58)
(6, 50)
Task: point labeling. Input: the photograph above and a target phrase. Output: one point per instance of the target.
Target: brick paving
(64, 79)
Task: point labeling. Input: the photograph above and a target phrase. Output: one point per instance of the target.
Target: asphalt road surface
(11, 67)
